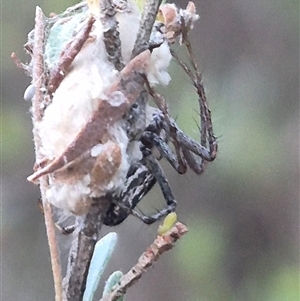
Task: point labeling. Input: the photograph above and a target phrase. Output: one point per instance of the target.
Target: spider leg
(142, 176)
(207, 136)
(65, 230)
(196, 164)
(181, 140)
(161, 179)
(208, 154)
(187, 149)
(153, 137)
(139, 182)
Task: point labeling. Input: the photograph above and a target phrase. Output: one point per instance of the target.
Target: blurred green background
(243, 212)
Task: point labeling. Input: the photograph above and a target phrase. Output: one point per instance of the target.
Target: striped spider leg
(143, 174)
(140, 179)
(188, 152)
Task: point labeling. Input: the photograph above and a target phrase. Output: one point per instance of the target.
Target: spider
(159, 133)
(143, 174)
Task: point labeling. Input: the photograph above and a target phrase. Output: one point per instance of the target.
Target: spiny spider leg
(208, 154)
(161, 179)
(182, 140)
(142, 176)
(151, 137)
(164, 149)
(186, 148)
(196, 164)
(140, 179)
(205, 114)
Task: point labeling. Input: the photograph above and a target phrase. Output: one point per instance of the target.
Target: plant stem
(38, 76)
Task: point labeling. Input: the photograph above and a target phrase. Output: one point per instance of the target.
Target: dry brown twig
(38, 79)
(68, 55)
(111, 35)
(161, 244)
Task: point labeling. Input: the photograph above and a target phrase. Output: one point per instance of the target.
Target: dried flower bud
(172, 18)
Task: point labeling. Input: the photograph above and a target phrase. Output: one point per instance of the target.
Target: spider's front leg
(196, 155)
(142, 176)
(140, 179)
(155, 168)
(156, 135)
(188, 151)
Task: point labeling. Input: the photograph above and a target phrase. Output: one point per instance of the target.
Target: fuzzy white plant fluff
(105, 167)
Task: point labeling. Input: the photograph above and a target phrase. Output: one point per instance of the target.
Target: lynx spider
(162, 130)
(143, 175)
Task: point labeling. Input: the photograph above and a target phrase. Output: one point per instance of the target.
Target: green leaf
(113, 279)
(102, 253)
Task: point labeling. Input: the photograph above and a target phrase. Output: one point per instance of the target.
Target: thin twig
(146, 25)
(111, 35)
(160, 245)
(52, 242)
(20, 65)
(82, 250)
(143, 36)
(38, 76)
(37, 115)
(68, 55)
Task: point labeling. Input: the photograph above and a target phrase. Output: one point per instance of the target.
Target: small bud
(168, 223)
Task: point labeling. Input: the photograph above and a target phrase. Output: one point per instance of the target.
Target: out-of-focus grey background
(243, 212)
